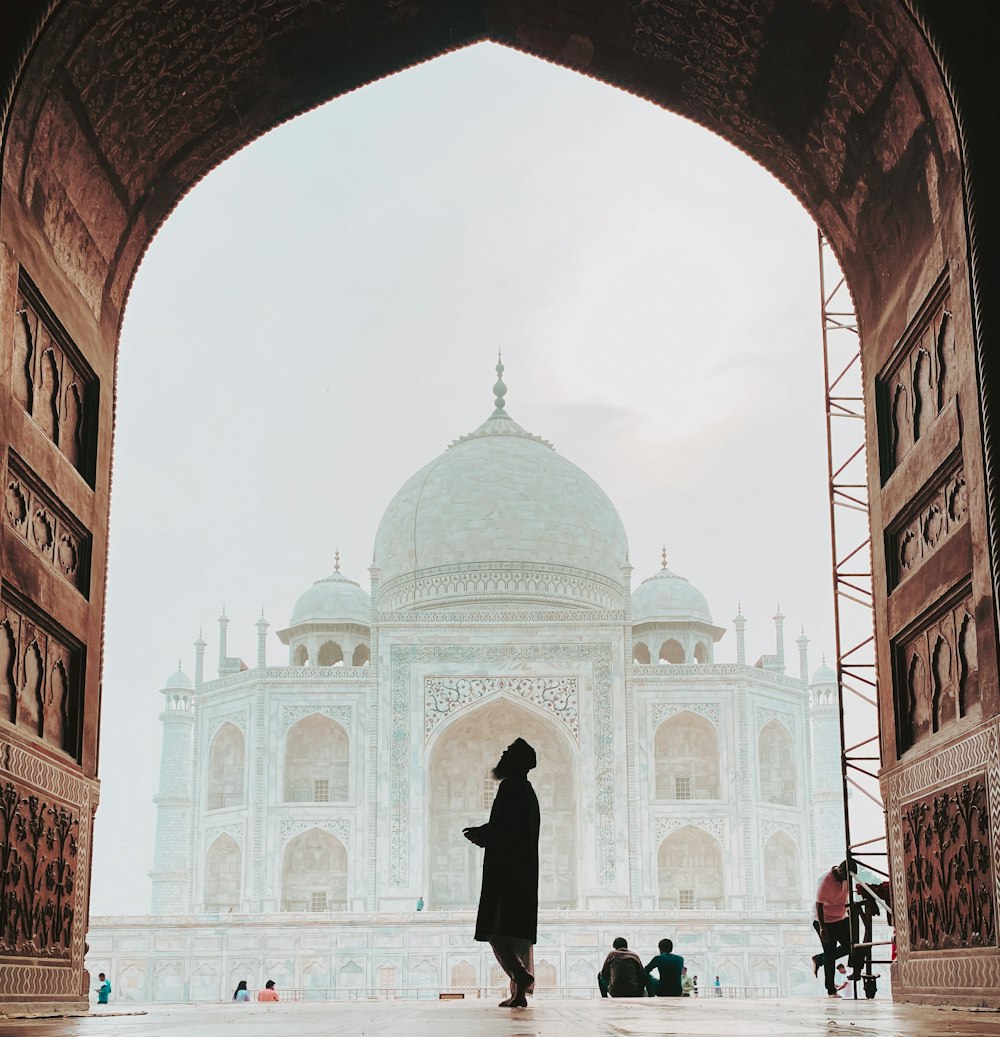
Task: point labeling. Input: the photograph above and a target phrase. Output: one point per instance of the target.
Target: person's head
(842, 969)
(242, 985)
(666, 946)
(269, 985)
(100, 975)
(840, 870)
(684, 970)
(516, 760)
(620, 943)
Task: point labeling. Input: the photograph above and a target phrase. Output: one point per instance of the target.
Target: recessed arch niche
(461, 791)
(686, 755)
(690, 871)
(314, 873)
(226, 765)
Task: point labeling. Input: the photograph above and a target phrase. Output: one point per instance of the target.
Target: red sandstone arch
(869, 111)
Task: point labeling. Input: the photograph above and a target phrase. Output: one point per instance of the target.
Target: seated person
(622, 974)
(268, 993)
(668, 969)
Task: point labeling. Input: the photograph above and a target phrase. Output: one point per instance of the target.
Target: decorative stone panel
(715, 826)
(52, 381)
(500, 657)
(445, 696)
(238, 719)
(234, 831)
(338, 826)
(34, 513)
(949, 869)
(917, 380)
(45, 828)
(291, 715)
(41, 674)
(936, 672)
(769, 828)
(711, 711)
(765, 716)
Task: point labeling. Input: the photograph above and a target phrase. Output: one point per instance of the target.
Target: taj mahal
(306, 809)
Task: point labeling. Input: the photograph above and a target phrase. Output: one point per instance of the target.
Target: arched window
(330, 653)
(461, 794)
(781, 872)
(545, 974)
(776, 754)
(671, 652)
(223, 865)
(689, 865)
(686, 748)
(301, 656)
(701, 653)
(464, 975)
(225, 768)
(640, 653)
(362, 655)
(317, 761)
(314, 873)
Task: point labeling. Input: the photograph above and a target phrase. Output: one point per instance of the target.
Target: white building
(304, 808)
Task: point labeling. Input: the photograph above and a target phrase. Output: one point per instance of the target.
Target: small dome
(334, 599)
(178, 681)
(668, 598)
(824, 675)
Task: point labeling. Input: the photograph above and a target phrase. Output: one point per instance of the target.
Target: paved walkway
(706, 1017)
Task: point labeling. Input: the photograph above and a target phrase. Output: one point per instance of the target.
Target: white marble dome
(332, 600)
(824, 675)
(178, 681)
(668, 598)
(500, 517)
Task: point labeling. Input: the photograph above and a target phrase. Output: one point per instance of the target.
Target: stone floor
(595, 1018)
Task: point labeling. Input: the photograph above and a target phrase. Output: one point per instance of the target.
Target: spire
(803, 643)
(779, 638)
(199, 660)
(336, 560)
(499, 390)
(663, 557)
(740, 623)
(223, 640)
(262, 625)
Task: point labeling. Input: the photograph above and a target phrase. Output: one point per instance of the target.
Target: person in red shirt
(268, 993)
(832, 923)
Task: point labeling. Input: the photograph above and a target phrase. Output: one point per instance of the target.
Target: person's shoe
(832, 993)
(506, 1003)
(519, 1002)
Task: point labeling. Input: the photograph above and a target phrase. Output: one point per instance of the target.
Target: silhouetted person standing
(508, 904)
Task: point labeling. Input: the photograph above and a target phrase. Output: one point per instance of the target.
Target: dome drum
(512, 583)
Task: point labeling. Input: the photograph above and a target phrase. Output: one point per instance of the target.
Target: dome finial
(663, 557)
(178, 664)
(336, 560)
(499, 390)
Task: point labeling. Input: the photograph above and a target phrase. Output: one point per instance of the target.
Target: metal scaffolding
(861, 758)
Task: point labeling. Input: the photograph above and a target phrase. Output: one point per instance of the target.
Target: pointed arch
(690, 871)
(223, 875)
(782, 873)
(226, 767)
(461, 790)
(314, 873)
(330, 654)
(686, 755)
(300, 656)
(640, 654)
(672, 651)
(317, 761)
(778, 767)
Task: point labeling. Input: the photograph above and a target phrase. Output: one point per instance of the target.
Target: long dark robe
(508, 904)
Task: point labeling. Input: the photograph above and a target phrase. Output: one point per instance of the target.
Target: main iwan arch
(877, 115)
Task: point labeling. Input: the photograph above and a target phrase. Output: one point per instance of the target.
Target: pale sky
(320, 317)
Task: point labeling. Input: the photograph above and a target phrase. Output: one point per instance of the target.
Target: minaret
(199, 661)
(779, 639)
(171, 866)
(828, 787)
(803, 643)
(223, 642)
(262, 625)
(740, 623)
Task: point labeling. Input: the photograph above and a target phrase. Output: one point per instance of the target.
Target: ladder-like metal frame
(853, 595)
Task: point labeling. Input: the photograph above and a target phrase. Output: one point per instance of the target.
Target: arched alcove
(461, 793)
(672, 651)
(301, 655)
(314, 873)
(317, 761)
(640, 654)
(463, 975)
(330, 654)
(686, 754)
(778, 767)
(690, 871)
(226, 766)
(223, 875)
(702, 653)
(782, 881)
(361, 656)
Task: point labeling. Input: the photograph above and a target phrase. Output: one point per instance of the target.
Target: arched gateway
(873, 112)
